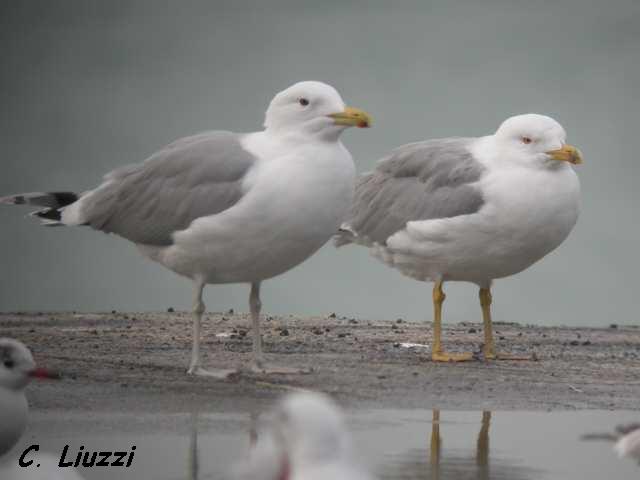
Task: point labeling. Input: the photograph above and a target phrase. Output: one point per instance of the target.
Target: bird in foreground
(469, 209)
(222, 207)
(628, 444)
(47, 468)
(626, 438)
(17, 368)
(303, 438)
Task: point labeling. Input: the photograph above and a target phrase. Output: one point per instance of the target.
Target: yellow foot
(451, 357)
(509, 356)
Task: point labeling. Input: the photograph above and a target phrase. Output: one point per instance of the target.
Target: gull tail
(53, 202)
(344, 236)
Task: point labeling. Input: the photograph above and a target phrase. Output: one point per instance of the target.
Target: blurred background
(88, 85)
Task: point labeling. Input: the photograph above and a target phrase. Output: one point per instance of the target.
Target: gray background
(87, 86)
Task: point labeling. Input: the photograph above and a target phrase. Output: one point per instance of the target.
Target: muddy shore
(137, 362)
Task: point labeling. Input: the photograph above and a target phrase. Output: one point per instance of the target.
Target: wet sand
(137, 361)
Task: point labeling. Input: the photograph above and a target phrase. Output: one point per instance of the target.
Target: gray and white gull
(222, 207)
(469, 209)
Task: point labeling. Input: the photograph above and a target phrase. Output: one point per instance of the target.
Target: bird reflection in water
(455, 463)
(482, 447)
(194, 465)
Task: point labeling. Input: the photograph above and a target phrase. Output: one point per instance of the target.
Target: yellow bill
(352, 117)
(567, 153)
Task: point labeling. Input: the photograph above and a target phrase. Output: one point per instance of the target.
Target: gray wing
(418, 181)
(190, 178)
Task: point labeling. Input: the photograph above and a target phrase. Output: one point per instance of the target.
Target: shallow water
(395, 444)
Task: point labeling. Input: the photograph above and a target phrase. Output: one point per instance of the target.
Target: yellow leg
(437, 355)
(485, 302)
(489, 350)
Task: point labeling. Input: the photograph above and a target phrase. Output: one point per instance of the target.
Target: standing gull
(469, 209)
(222, 207)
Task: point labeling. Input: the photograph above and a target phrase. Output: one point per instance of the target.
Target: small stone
(353, 321)
(574, 343)
(586, 343)
(284, 332)
(396, 345)
(500, 338)
(230, 311)
(113, 312)
(613, 326)
(170, 310)
(342, 335)
(471, 330)
(316, 331)
(332, 315)
(393, 327)
(399, 320)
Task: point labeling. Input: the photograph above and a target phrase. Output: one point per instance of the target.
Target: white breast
(527, 213)
(297, 197)
(13, 418)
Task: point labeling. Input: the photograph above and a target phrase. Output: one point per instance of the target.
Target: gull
(626, 438)
(304, 438)
(469, 209)
(628, 444)
(222, 207)
(17, 368)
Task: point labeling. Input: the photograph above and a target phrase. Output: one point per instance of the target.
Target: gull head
(17, 366)
(536, 140)
(313, 108)
(310, 429)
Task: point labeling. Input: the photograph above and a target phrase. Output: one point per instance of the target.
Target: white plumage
(221, 207)
(17, 368)
(469, 209)
(304, 438)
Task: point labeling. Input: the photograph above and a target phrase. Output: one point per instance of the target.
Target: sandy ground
(137, 362)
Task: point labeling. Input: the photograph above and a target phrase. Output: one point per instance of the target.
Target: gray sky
(87, 86)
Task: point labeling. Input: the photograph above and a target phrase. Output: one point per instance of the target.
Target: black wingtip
(48, 214)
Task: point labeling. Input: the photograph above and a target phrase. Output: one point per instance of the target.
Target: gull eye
(303, 101)
(526, 140)
(9, 364)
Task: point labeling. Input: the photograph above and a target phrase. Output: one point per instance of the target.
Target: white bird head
(314, 108)
(17, 366)
(536, 140)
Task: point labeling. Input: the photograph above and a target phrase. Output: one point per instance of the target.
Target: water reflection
(448, 464)
(393, 444)
(194, 464)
